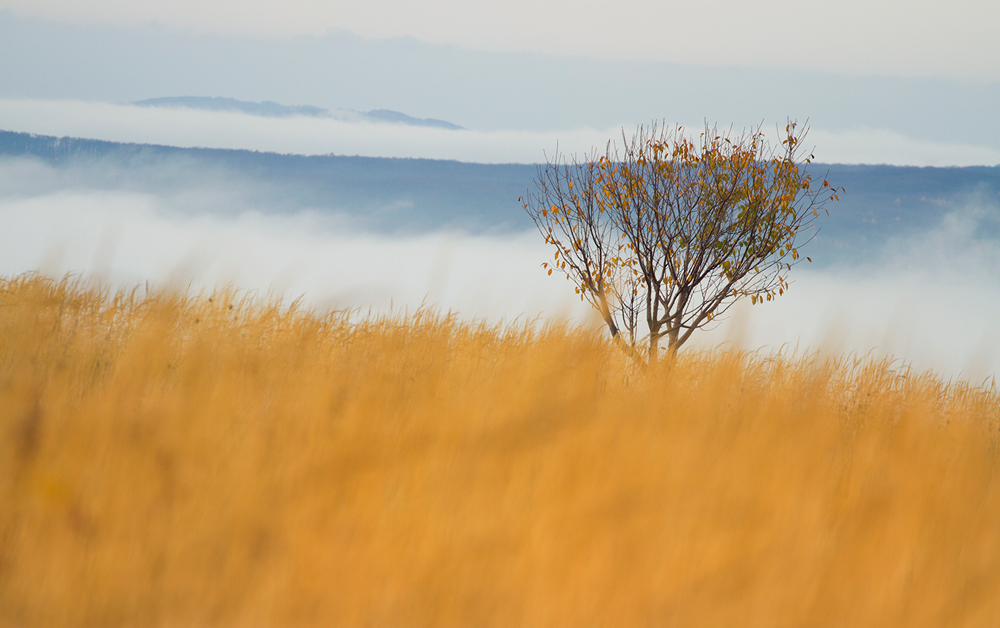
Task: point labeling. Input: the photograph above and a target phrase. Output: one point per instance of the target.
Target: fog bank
(319, 136)
(127, 239)
(932, 301)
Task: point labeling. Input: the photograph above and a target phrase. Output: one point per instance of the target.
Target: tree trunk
(606, 314)
(673, 344)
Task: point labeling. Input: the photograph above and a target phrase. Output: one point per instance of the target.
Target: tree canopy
(668, 232)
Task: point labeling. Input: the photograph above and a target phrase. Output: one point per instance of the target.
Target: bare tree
(672, 232)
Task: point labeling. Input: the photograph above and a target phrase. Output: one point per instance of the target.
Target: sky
(917, 38)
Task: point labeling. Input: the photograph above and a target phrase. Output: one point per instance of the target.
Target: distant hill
(387, 115)
(266, 108)
(419, 195)
(272, 109)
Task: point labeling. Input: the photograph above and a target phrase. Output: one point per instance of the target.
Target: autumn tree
(663, 234)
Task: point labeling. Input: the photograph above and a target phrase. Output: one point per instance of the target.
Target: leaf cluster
(670, 231)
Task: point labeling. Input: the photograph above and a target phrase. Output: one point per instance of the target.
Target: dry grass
(181, 461)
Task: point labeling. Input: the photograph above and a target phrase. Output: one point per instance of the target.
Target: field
(177, 460)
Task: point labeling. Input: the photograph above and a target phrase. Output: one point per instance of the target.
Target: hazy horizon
(311, 135)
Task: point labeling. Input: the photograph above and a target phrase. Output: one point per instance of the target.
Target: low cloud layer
(316, 136)
(300, 135)
(127, 239)
(931, 300)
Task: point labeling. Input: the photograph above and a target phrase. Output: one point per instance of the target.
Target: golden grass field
(172, 460)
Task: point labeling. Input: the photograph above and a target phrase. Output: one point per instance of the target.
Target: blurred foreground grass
(172, 460)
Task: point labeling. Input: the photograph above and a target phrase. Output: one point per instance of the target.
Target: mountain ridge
(271, 109)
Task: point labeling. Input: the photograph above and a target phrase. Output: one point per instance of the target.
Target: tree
(672, 231)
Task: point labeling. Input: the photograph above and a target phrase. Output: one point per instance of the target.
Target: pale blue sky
(927, 38)
(891, 89)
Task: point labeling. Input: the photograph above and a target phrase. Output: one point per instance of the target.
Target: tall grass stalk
(172, 460)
